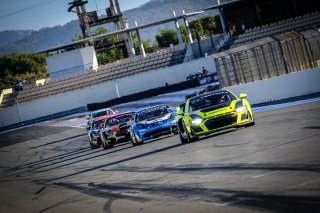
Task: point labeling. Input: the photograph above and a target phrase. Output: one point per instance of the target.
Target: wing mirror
(180, 112)
(243, 95)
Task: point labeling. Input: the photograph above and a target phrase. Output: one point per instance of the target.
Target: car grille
(196, 129)
(158, 132)
(220, 121)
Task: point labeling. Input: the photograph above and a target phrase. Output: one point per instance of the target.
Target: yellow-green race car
(211, 112)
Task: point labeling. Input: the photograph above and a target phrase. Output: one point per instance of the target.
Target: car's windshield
(209, 100)
(96, 124)
(152, 113)
(124, 118)
(101, 113)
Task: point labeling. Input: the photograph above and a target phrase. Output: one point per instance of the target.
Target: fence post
(274, 59)
(226, 71)
(257, 62)
(249, 66)
(283, 56)
(303, 52)
(308, 47)
(265, 60)
(234, 68)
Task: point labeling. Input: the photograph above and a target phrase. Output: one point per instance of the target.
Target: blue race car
(151, 123)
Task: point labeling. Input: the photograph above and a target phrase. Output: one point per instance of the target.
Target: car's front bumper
(214, 124)
(157, 131)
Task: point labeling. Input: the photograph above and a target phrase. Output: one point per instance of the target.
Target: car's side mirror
(180, 112)
(242, 95)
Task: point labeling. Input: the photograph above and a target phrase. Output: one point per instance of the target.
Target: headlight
(196, 119)
(173, 116)
(241, 108)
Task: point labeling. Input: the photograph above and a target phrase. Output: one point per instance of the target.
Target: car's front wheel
(181, 136)
(186, 136)
(92, 146)
(107, 145)
(133, 138)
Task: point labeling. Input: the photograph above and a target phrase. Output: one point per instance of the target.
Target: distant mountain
(12, 36)
(154, 10)
(43, 39)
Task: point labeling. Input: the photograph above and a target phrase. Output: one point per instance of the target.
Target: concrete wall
(280, 87)
(68, 63)
(275, 88)
(101, 92)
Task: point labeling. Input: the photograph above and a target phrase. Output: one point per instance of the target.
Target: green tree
(77, 37)
(16, 67)
(146, 44)
(209, 25)
(183, 31)
(167, 37)
(196, 28)
(218, 28)
(109, 55)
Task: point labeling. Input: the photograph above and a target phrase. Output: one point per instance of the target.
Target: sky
(37, 14)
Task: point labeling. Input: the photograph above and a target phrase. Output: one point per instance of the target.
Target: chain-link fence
(268, 57)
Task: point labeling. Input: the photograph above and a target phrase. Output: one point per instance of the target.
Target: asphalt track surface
(270, 167)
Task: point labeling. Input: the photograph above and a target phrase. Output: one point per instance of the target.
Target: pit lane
(272, 166)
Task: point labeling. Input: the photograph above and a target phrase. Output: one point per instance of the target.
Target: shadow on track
(108, 164)
(217, 196)
(57, 141)
(200, 169)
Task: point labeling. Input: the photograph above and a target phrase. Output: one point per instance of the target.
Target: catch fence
(266, 58)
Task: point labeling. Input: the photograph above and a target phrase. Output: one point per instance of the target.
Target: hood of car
(156, 120)
(118, 127)
(219, 109)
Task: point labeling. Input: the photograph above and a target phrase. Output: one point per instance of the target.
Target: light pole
(20, 115)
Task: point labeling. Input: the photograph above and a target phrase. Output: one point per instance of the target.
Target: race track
(273, 166)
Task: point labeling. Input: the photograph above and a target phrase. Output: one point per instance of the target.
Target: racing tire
(182, 139)
(92, 146)
(133, 140)
(187, 137)
(104, 145)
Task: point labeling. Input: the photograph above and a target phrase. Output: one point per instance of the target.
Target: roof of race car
(123, 113)
(101, 110)
(160, 105)
(102, 118)
(211, 92)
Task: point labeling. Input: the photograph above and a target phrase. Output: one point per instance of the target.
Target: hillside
(12, 36)
(34, 41)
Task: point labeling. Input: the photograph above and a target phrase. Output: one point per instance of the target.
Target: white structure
(72, 62)
(101, 92)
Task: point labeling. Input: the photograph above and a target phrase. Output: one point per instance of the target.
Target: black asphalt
(273, 166)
